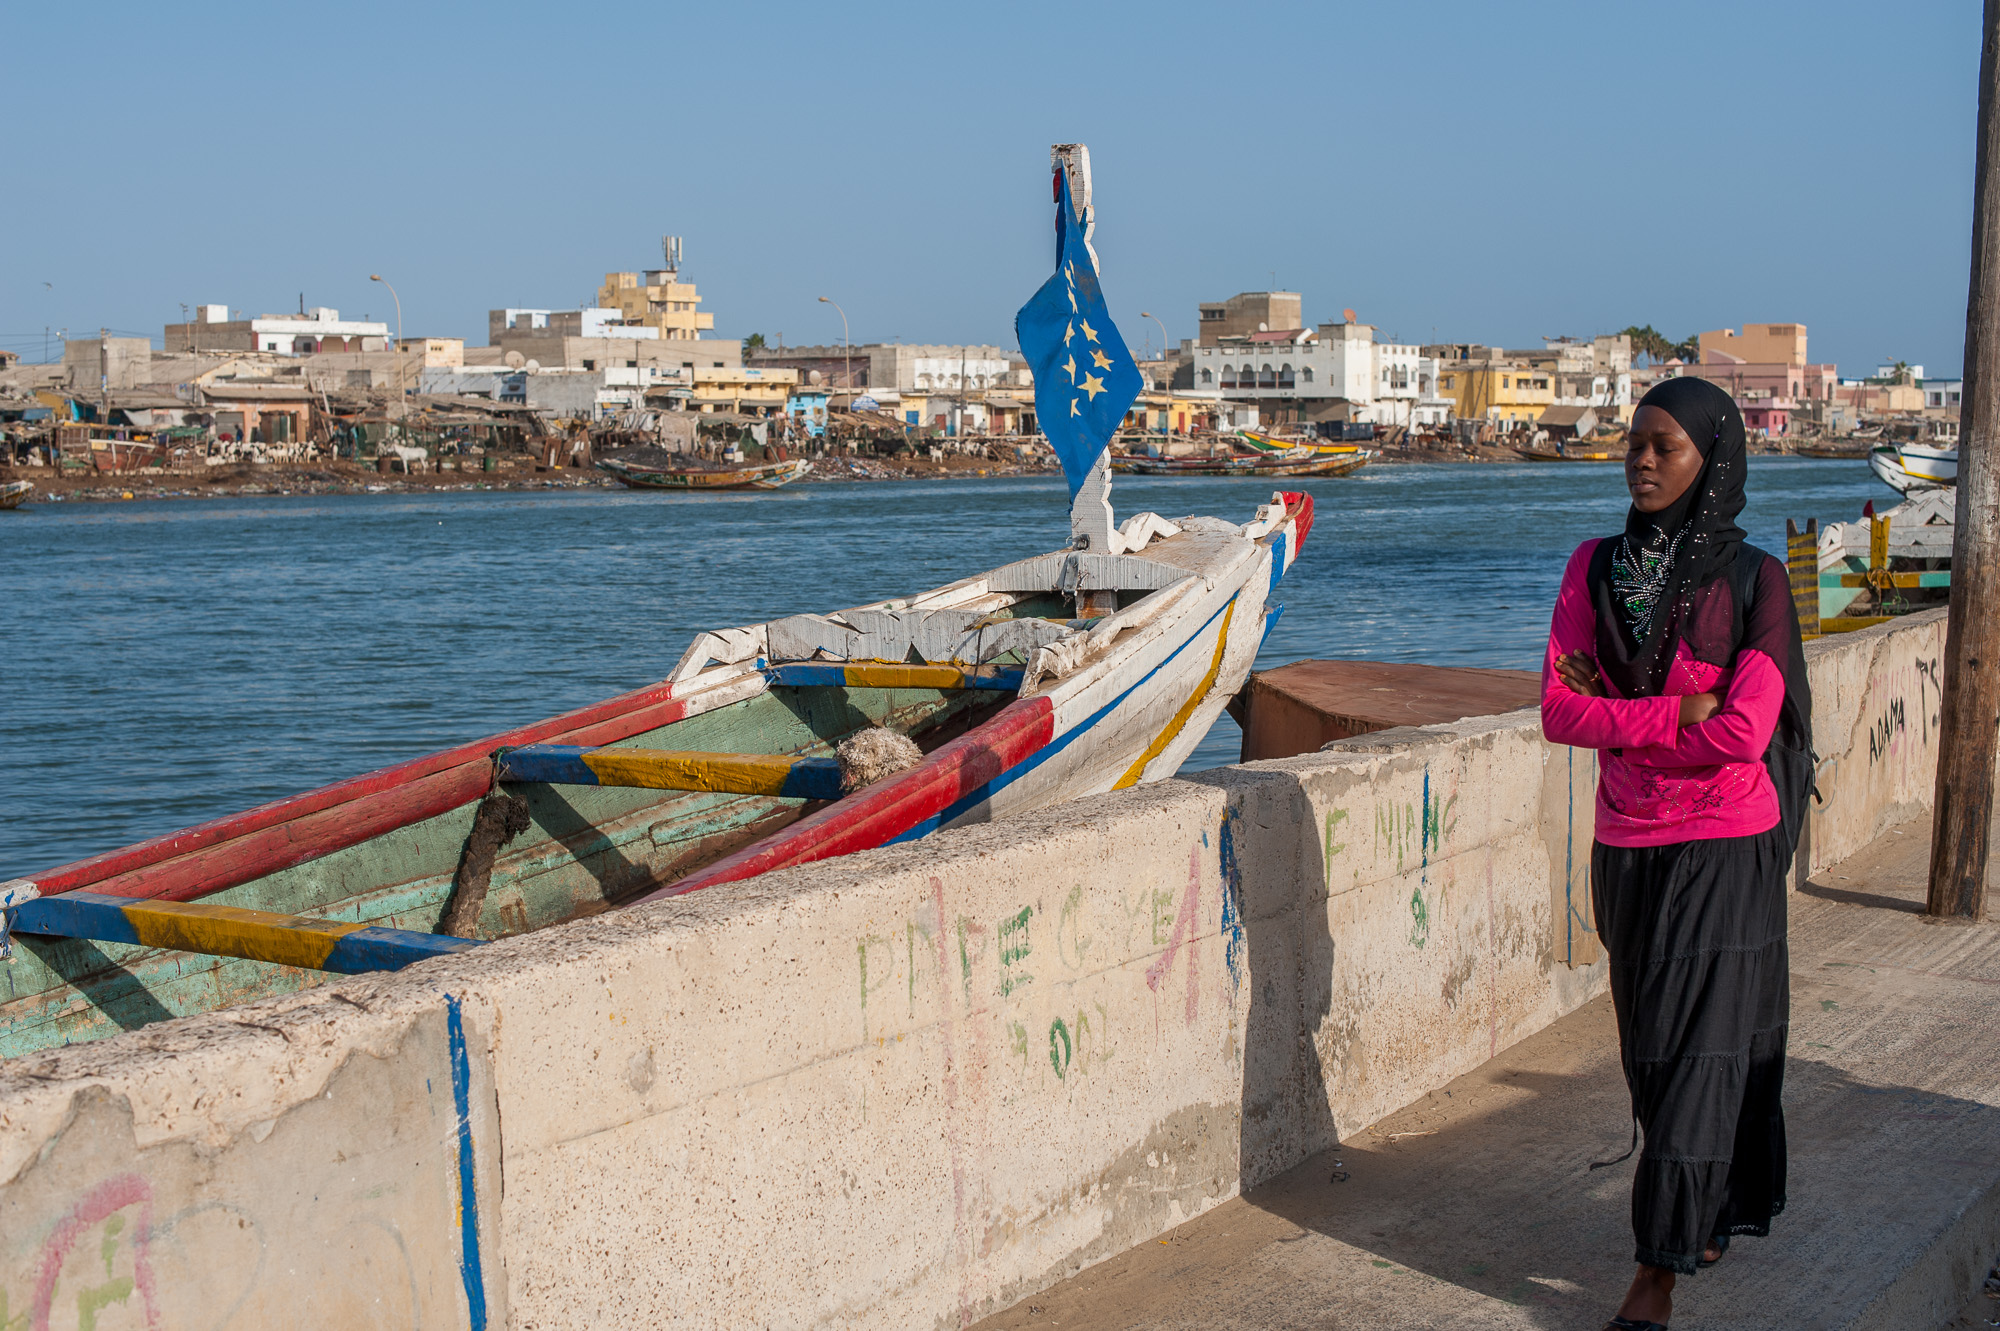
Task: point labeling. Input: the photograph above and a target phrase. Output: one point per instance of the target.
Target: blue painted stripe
(374, 949)
(1049, 750)
(76, 915)
(1277, 563)
(470, 1270)
(558, 764)
(1271, 617)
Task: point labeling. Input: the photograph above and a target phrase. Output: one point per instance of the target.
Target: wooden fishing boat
(1850, 575)
(1570, 453)
(687, 473)
(1891, 468)
(1300, 462)
(1095, 667)
(14, 493)
(1040, 681)
(1833, 452)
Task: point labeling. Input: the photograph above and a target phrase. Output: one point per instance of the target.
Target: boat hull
(15, 493)
(1939, 466)
(764, 476)
(1339, 464)
(1888, 466)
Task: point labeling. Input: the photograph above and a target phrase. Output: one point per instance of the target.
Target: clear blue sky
(1464, 171)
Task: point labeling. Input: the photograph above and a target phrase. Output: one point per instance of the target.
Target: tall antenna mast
(670, 254)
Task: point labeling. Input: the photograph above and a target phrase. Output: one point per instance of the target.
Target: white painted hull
(1120, 700)
(1889, 469)
(1938, 466)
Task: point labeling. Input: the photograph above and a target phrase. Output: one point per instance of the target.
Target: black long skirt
(1701, 980)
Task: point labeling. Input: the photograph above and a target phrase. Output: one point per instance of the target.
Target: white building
(592, 322)
(316, 330)
(1302, 372)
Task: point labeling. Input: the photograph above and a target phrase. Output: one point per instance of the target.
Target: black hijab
(1652, 586)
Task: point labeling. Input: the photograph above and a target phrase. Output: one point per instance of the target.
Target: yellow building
(1757, 344)
(1499, 391)
(656, 299)
(739, 388)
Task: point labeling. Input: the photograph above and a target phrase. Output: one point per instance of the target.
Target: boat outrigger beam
(865, 675)
(229, 931)
(673, 769)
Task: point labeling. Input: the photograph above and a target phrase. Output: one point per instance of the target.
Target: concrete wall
(899, 1089)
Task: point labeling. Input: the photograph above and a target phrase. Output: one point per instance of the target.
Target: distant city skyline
(1479, 174)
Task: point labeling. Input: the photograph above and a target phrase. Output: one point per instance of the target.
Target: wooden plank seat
(673, 769)
(230, 931)
(889, 675)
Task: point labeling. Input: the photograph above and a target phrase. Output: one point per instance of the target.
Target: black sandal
(1627, 1324)
(1721, 1245)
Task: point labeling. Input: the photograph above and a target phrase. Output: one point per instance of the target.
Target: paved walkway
(1474, 1208)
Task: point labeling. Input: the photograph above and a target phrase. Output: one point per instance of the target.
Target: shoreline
(262, 480)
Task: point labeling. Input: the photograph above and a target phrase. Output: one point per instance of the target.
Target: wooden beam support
(1003, 679)
(1969, 722)
(228, 931)
(674, 769)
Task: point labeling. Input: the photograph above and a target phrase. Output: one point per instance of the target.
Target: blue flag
(1085, 379)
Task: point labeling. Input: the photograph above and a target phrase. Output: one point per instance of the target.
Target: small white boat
(14, 493)
(1939, 466)
(1887, 463)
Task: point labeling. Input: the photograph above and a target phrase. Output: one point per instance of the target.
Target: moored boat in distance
(15, 493)
(655, 469)
(1569, 453)
(1295, 463)
(1894, 467)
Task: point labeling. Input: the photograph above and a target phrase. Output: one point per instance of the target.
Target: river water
(170, 661)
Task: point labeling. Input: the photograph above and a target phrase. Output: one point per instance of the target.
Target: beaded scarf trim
(1639, 577)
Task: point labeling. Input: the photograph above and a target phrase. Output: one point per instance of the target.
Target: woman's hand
(1698, 707)
(1580, 673)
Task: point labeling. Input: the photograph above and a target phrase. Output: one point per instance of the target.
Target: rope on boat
(500, 819)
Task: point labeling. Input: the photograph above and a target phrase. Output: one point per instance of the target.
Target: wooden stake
(1970, 723)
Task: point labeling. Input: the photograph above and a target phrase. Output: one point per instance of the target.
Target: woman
(1675, 652)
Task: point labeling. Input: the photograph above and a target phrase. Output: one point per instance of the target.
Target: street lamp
(401, 404)
(1165, 416)
(847, 350)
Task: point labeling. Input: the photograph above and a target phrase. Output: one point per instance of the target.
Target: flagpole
(1091, 524)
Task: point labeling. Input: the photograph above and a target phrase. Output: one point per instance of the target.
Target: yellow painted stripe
(235, 932)
(675, 769)
(905, 677)
(1175, 726)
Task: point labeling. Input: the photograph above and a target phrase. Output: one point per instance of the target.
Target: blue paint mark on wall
(468, 1195)
(1232, 899)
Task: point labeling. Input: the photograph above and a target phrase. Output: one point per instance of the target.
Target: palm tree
(1648, 342)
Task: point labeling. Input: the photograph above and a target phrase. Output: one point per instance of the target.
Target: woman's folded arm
(1739, 733)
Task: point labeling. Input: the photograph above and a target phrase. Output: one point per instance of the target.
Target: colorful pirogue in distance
(1096, 666)
(668, 472)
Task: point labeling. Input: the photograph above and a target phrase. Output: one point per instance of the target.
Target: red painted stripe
(866, 820)
(1299, 507)
(211, 856)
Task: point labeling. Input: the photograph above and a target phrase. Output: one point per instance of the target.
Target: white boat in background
(1939, 466)
(14, 493)
(1888, 463)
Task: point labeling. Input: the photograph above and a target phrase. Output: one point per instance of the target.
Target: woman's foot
(1650, 1299)
(1713, 1252)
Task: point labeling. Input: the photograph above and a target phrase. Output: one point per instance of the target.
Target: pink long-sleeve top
(1660, 781)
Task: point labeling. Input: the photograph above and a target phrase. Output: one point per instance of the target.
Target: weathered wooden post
(1970, 725)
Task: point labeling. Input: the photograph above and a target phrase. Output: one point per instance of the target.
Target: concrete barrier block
(359, 1197)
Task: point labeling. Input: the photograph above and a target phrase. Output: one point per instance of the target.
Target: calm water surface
(174, 660)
